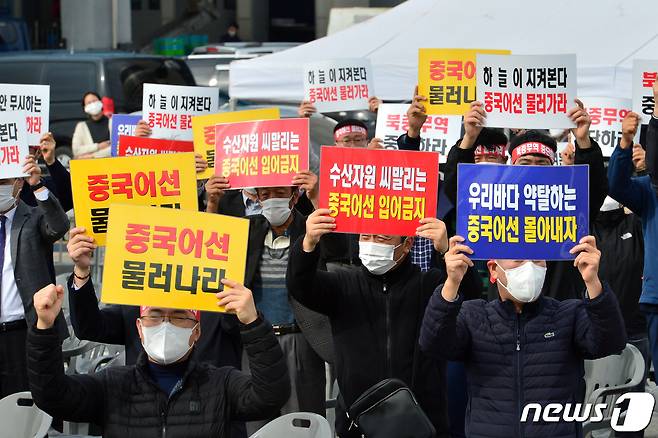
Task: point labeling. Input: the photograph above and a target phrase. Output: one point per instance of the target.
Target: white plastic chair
(21, 418)
(608, 378)
(297, 425)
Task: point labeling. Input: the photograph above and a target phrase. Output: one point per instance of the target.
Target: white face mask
(94, 108)
(7, 199)
(524, 282)
(610, 204)
(377, 257)
(166, 343)
(276, 210)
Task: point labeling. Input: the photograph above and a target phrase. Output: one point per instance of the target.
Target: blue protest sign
(122, 124)
(522, 212)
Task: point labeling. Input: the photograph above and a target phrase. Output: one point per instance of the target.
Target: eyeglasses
(178, 321)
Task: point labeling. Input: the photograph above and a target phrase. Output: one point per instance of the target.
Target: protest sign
(122, 124)
(339, 84)
(644, 75)
(168, 109)
(173, 259)
(522, 212)
(267, 153)
(607, 114)
(378, 191)
(13, 144)
(33, 101)
(447, 78)
(527, 91)
(203, 128)
(131, 146)
(155, 180)
(438, 134)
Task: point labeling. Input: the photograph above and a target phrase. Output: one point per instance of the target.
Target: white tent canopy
(605, 36)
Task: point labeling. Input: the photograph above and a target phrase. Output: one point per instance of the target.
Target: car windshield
(126, 78)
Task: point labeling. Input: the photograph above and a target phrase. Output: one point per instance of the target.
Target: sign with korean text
(438, 134)
(266, 153)
(527, 91)
(339, 84)
(122, 124)
(168, 109)
(34, 101)
(170, 258)
(13, 144)
(607, 114)
(155, 180)
(378, 191)
(522, 212)
(203, 128)
(644, 75)
(131, 146)
(447, 78)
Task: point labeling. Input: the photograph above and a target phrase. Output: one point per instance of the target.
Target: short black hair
(491, 137)
(350, 122)
(84, 96)
(533, 136)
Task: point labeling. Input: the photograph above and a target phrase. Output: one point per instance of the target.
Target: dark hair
(533, 136)
(491, 136)
(234, 24)
(350, 122)
(84, 96)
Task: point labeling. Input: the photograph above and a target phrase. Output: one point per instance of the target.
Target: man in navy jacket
(524, 347)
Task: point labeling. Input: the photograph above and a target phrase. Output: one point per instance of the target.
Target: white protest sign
(168, 109)
(527, 91)
(339, 84)
(34, 100)
(13, 144)
(438, 134)
(606, 114)
(644, 75)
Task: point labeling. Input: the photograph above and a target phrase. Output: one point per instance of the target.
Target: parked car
(118, 76)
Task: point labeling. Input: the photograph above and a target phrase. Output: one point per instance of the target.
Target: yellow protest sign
(203, 131)
(170, 258)
(157, 180)
(447, 78)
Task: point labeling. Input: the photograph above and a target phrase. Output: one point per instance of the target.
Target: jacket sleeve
(91, 323)
(78, 398)
(318, 290)
(600, 329)
(652, 152)
(455, 156)
(406, 143)
(261, 394)
(598, 182)
(444, 333)
(624, 189)
(53, 223)
(61, 181)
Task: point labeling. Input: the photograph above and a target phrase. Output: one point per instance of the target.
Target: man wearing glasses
(166, 392)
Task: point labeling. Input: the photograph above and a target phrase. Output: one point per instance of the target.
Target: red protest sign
(378, 191)
(265, 153)
(133, 146)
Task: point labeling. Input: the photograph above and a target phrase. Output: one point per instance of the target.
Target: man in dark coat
(524, 347)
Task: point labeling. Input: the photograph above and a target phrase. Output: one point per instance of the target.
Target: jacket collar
(142, 366)
(611, 218)
(401, 272)
(530, 310)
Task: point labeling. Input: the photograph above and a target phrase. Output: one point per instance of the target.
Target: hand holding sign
(238, 300)
(580, 117)
(200, 163)
(417, 114)
(373, 104)
(306, 109)
(474, 120)
(308, 181)
(318, 224)
(47, 145)
(48, 303)
(435, 230)
(142, 129)
(587, 261)
(629, 127)
(457, 263)
(31, 168)
(215, 187)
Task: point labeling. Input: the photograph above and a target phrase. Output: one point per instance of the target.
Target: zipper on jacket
(518, 373)
(163, 415)
(387, 311)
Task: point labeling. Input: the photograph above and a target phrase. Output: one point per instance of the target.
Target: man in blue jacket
(524, 347)
(640, 195)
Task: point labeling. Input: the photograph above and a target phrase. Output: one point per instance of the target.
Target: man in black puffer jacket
(166, 393)
(524, 347)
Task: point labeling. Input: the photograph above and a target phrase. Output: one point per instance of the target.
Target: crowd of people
(359, 309)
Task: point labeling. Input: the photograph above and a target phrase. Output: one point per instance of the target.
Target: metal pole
(115, 24)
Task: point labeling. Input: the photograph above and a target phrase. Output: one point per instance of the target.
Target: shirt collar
(11, 213)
